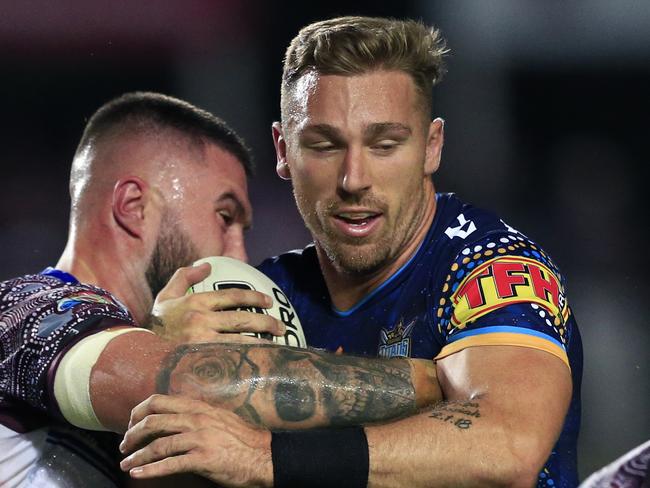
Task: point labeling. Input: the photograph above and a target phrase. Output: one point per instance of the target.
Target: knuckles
(162, 446)
(155, 402)
(150, 422)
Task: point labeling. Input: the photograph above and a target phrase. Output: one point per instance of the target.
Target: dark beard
(173, 250)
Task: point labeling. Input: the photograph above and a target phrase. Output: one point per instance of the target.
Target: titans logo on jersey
(474, 281)
(397, 341)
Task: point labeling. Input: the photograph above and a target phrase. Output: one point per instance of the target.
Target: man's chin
(358, 259)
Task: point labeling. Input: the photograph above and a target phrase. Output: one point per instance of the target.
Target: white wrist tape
(72, 378)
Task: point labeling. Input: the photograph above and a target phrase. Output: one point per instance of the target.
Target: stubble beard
(173, 250)
(353, 260)
(361, 256)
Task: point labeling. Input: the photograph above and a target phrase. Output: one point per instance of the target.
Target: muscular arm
(269, 385)
(504, 409)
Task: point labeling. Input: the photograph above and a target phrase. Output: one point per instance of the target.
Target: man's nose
(355, 171)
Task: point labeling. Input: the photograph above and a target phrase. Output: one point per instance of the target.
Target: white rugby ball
(231, 273)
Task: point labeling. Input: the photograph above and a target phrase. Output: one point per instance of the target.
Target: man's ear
(130, 198)
(435, 141)
(282, 167)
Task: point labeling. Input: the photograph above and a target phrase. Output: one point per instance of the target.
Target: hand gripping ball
(231, 273)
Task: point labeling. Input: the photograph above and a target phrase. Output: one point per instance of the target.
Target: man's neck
(96, 266)
(347, 289)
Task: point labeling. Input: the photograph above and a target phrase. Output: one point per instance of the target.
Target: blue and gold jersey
(474, 281)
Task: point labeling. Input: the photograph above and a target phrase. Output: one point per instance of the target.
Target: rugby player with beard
(399, 270)
(157, 183)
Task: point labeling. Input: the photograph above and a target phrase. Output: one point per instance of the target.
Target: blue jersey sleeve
(503, 290)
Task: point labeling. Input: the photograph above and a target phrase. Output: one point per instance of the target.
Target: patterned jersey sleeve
(504, 290)
(40, 316)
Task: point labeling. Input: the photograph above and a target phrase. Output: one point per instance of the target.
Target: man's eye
(385, 146)
(226, 216)
(322, 146)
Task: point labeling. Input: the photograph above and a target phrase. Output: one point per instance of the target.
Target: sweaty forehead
(295, 104)
(190, 173)
(377, 96)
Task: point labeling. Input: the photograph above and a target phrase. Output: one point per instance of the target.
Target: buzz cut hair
(356, 45)
(149, 111)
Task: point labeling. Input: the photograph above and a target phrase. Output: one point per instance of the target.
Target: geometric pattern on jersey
(474, 280)
(503, 270)
(40, 316)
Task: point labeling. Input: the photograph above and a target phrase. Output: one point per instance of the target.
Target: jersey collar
(61, 275)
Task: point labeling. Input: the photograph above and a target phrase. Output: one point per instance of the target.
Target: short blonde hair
(354, 45)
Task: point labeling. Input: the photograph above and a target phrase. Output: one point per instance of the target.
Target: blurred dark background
(546, 107)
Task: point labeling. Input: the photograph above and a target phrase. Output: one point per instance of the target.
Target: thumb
(182, 279)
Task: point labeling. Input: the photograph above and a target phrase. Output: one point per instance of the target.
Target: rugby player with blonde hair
(399, 270)
(157, 183)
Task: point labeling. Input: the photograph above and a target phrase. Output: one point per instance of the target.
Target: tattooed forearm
(215, 373)
(295, 401)
(358, 390)
(460, 414)
(290, 388)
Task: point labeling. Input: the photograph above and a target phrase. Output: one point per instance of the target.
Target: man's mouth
(357, 224)
(357, 218)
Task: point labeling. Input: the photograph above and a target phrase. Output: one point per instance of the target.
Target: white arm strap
(72, 378)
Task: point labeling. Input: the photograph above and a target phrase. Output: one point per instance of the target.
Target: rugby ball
(232, 273)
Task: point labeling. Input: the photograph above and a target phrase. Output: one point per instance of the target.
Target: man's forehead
(227, 167)
(373, 98)
(298, 96)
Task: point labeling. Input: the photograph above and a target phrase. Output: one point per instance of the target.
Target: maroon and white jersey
(41, 317)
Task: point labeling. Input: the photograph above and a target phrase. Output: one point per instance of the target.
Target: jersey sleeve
(40, 317)
(503, 290)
